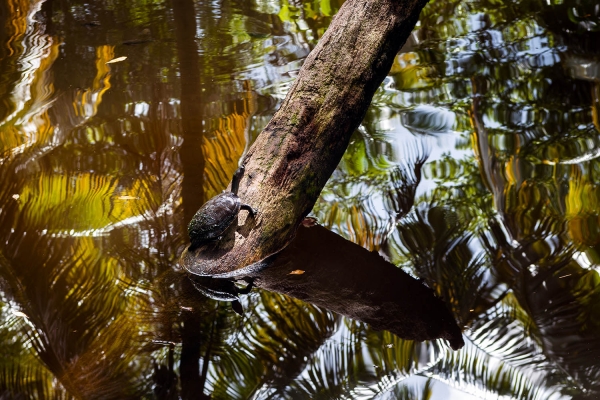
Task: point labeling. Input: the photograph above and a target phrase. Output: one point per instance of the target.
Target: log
(294, 156)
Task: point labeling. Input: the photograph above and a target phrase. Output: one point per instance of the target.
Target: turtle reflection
(222, 289)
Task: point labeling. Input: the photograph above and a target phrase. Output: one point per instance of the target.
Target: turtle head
(235, 181)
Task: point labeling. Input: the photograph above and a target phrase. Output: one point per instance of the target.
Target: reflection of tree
(192, 160)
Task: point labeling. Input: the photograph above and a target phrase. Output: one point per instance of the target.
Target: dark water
(491, 112)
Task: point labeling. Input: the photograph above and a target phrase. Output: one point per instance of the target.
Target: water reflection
(322, 268)
(475, 169)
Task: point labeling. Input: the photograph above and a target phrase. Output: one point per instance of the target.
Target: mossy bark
(294, 156)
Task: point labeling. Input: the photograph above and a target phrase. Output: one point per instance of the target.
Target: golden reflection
(86, 102)
(16, 23)
(29, 125)
(409, 73)
(357, 220)
(223, 146)
(85, 201)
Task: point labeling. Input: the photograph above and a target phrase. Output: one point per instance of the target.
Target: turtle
(217, 214)
(222, 290)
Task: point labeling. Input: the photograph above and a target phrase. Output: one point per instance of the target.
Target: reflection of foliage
(271, 347)
(20, 369)
(536, 149)
(63, 308)
(350, 203)
(72, 202)
(442, 254)
(404, 392)
(486, 374)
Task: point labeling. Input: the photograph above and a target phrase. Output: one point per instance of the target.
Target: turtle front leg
(251, 210)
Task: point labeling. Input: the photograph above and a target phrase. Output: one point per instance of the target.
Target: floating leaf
(296, 272)
(116, 60)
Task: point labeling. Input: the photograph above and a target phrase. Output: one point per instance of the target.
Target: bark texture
(294, 156)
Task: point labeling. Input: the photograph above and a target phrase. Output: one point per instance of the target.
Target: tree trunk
(294, 156)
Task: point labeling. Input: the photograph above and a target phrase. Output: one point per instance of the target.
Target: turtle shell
(214, 217)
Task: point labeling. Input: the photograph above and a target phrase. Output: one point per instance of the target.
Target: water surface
(475, 169)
